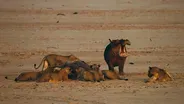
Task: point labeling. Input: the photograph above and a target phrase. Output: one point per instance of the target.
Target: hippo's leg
(111, 67)
(121, 66)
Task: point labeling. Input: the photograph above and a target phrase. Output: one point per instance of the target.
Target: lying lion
(28, 76)
(89, 75)
(95, 67)
(62, 75)
(157, 74)
(79, 64)
(108, 74)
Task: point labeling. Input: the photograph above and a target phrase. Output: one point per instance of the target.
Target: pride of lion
(57, 68)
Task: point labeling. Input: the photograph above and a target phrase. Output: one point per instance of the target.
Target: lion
(158, 74)
(97, 72)
(54, 60)
(61, 75)
(28, 76)
(89, 75)
(95, 67)
(79, 64)
(85, 75)
(108, 74)
(115, 54)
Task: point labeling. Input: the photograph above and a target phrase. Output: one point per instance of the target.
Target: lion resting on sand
(95, 67)
(108, 74)
(53, 60)
(79, 64)
(62, 75)
(157, 74)
(28, 76)
(89, 75)
(115, 54)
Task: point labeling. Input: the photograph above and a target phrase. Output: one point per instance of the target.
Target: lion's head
(152, 71)
(95, 66)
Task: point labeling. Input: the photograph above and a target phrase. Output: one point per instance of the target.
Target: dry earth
(31, 29)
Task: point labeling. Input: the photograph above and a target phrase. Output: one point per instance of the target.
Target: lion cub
(157, 74)
(89, 75)
(62, 75)
(108, 74)
(28, 76)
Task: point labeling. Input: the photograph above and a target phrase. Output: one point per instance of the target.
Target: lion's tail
(40, 63)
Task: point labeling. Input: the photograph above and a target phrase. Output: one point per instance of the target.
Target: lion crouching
(157, 74)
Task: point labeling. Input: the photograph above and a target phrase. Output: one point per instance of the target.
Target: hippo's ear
(110, 40)
(91, 66)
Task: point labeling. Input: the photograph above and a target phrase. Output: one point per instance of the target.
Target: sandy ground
(31, 29)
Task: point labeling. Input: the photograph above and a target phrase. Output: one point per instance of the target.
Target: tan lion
(62, 75)
(28, 76)
(158, 74)
(53, 60)
(108, 74)
(89, 75)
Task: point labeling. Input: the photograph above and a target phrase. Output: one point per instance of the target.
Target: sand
(31, 29)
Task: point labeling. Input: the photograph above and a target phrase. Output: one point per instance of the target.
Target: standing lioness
(53, 60)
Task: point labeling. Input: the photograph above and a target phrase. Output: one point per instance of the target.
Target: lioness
(62, 75)
(97, 72)
(157, 74)
(53, 60)
(95, 67)
(28, 76)
(79, 64)
(108, 74)
(89, 75)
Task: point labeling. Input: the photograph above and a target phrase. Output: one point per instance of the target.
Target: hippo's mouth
(123, 51)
